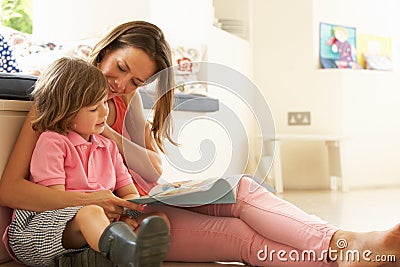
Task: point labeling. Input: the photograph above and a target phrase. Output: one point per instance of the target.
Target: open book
(193, 192)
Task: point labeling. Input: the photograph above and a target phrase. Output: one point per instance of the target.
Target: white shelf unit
(234, 16)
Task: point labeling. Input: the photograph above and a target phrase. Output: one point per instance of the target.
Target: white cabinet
(368, 114)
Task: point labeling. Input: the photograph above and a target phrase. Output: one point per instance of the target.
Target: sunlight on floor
(356, 210)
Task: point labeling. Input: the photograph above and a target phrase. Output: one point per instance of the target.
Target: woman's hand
(113, 206)
(146, 161)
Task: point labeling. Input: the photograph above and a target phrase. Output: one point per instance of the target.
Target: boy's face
(91, 119)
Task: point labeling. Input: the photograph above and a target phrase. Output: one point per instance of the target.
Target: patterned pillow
(7, 59)
(32, 55)
(186, 61)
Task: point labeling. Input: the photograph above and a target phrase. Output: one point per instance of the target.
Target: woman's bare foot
(350, 249)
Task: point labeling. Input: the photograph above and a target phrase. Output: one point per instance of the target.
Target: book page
(182, 187)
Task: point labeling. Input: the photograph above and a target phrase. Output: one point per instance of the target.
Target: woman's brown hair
(150, 39)
(66, 86)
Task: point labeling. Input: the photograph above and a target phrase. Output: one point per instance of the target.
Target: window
(17, 14)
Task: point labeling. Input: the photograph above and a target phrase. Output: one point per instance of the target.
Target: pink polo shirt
(79, 165)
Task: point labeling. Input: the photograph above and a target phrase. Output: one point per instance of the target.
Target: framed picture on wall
(338, 46)
(374, 52)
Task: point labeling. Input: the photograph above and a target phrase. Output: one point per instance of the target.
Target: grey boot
(118, 244)
(152, 242)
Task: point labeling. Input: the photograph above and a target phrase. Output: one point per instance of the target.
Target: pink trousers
(260, 229)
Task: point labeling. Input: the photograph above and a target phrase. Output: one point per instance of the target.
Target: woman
(248, 231)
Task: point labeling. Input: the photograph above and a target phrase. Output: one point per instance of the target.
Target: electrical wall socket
(299, 118)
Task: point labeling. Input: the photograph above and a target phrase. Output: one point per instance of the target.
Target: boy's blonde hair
(66, 86)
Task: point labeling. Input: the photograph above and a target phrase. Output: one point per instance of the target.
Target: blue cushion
(185, 102)
(16, 86)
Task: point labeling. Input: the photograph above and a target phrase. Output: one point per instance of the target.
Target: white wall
(74, 19)
(286, 45)
(71, 20)
(183, 21)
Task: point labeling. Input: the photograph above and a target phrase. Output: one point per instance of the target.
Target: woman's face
(126, 69)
